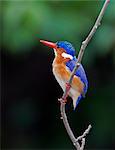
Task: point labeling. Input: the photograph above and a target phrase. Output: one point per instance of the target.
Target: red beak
(49, 44)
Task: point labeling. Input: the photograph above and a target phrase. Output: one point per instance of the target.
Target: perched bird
(63, 64)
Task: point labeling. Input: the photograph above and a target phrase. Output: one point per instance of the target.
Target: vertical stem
(66, 124)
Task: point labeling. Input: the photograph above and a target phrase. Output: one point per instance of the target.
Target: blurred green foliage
(30, 120)
(24, 23)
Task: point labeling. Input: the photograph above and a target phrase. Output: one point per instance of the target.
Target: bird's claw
(63, 101)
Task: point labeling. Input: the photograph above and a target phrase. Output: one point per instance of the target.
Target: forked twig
(65, 94)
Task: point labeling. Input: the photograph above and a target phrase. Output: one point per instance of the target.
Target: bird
(62, 66)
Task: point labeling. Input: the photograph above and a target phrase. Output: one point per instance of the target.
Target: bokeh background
(30, 109)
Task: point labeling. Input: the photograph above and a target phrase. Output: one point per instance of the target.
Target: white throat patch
(65, 55)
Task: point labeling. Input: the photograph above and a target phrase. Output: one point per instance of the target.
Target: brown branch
(66, 124)
(65, 94)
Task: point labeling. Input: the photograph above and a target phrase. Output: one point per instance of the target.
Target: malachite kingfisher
(63, 64)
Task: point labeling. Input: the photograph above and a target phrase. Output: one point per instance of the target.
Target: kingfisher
(63, 64)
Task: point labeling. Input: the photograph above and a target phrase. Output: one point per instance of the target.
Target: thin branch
(66, 124)
(82, 144)
(84, 134)
(65, 94)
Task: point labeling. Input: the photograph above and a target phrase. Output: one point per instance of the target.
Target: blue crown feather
(67, 47)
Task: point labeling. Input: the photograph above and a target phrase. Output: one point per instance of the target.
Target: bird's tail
(76, 101)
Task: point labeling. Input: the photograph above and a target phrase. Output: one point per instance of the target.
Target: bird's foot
(63, 101)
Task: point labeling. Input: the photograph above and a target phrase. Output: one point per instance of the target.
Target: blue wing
(81, 74)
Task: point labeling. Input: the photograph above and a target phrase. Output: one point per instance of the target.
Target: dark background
(30, 109)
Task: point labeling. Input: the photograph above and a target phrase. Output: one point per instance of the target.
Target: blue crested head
(67, 47)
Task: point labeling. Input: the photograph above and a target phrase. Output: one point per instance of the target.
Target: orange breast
(64, 73)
